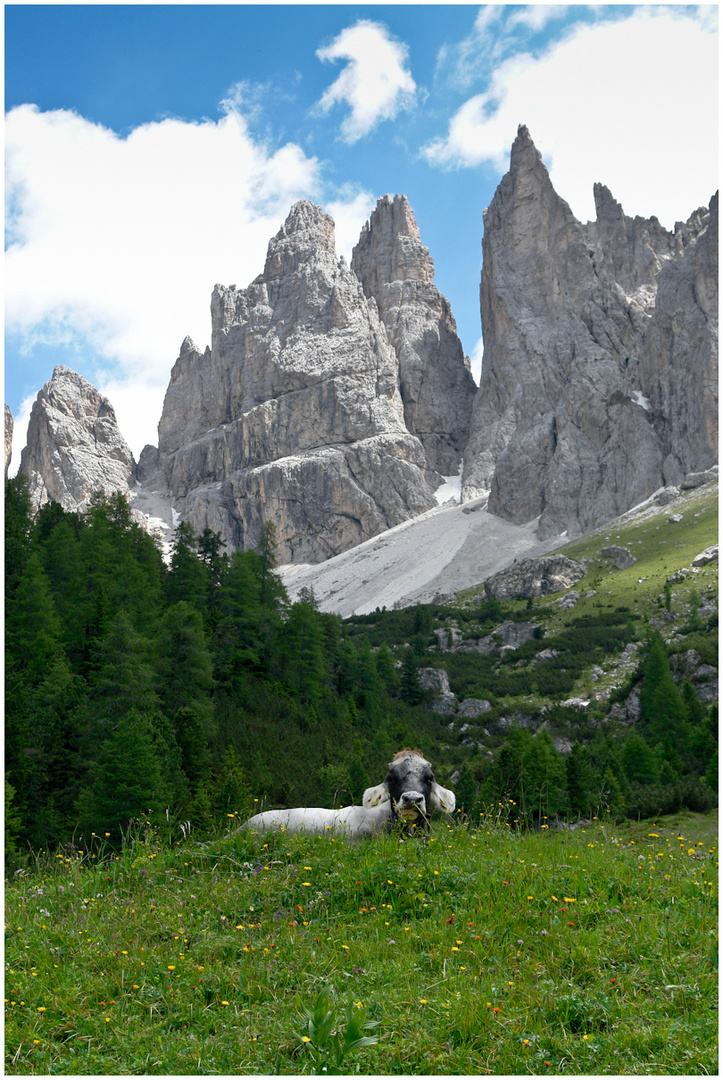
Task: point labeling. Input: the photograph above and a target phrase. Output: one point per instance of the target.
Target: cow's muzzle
(411, 807)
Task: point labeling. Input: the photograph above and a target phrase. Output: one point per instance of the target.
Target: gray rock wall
(569, 422)
(435, 381)
(8, 439)
(294, 413)
(74, 446)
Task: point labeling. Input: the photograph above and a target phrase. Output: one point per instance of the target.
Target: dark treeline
(194, 690)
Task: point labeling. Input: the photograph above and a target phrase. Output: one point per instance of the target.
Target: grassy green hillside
(585, 674)
(478, 951)
(513, 940)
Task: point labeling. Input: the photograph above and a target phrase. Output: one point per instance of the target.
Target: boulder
(620, 555)
(709, 555)
(697, 479)
(448, 638)
(436, 680)
(472, 707)
(530, 578)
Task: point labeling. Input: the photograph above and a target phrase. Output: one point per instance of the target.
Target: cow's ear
(442, 798)
(375, 795)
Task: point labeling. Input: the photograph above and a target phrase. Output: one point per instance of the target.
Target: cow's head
(411, 788)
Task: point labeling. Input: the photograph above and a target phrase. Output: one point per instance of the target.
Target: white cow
(408, 794)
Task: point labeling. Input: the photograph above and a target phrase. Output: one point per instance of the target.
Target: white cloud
(632, 104)
(537, 16)
(476, 360)
(20, 433)
(116, 243)
(350, 213)
(375, 83)
(499, 31)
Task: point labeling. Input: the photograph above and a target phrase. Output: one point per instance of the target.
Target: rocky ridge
(333, 399)
(582, 410)
(435, 381)
(74, 446)
(294, 413)
(8, 439)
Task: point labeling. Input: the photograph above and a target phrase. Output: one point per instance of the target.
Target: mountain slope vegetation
(191, 690)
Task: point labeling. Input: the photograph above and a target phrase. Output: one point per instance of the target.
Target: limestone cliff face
(563, 425)
(8, 438)
(332, 397)
(435, 382)
(679, 364)
(293, 414)
(74, 445)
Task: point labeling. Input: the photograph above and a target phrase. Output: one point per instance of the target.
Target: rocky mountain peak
(565, 425)
(306, 235)
(390, 247)
(294, 414)
(524, 155)
(74, 445)
(8, 438)
(437, 389)
(334, 398)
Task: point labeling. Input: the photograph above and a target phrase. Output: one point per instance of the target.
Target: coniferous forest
(192, 690)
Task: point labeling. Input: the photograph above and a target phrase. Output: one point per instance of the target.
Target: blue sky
(153, 150)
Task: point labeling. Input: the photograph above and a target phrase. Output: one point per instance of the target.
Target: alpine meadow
(167, 941)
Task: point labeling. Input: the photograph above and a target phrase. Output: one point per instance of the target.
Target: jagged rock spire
(437, 389)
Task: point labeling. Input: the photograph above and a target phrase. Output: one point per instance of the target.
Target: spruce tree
(128, 781)
(662, 712)
(184, 685)
(410, 689)
(33, 630)
(639, 760)
(189, 577)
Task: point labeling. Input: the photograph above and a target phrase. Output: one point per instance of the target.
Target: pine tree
(123, 678)
(189, 577)
(128, 782)
(32, 629)
(63, 562)
(13, 823)
(345, 667)
(268, 550)
(18, 525)
(304, 661)
(466, 790)
(579, 780)
(411, 691)
(369, 683)
(57, 751)
(184, 684)
(639, 760)
(543, 780)
(661, 707)
(239, 647)
(387, 670)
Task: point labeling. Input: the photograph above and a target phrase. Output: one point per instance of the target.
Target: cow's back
(352, 821)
